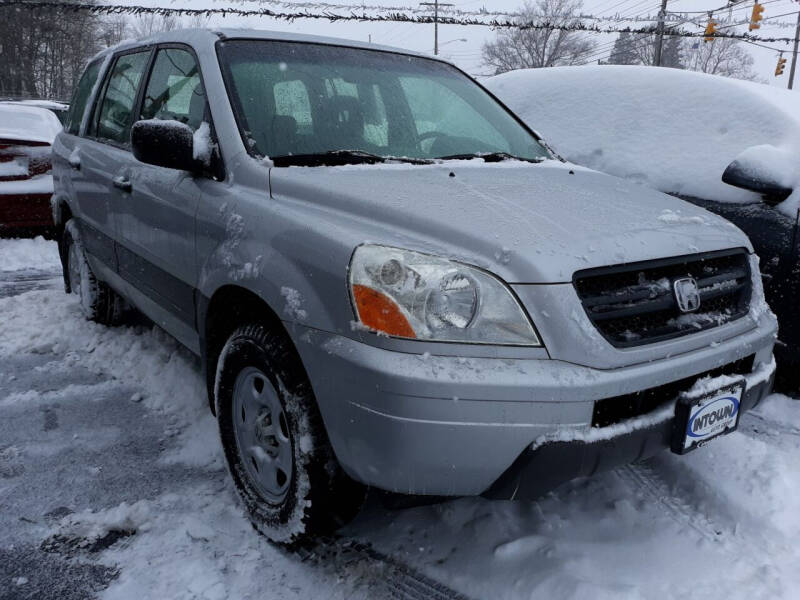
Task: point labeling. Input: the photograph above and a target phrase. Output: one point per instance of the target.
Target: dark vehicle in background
(693, 136)
(774, 236)
(26, 181)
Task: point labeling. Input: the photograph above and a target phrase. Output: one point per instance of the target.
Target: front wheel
(275, 443)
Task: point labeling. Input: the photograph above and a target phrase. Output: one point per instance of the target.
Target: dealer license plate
(701, 418)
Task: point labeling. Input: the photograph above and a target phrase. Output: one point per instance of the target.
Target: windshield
(298, 99)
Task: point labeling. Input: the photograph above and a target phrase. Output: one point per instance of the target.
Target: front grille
(634, 304)
(620, 408)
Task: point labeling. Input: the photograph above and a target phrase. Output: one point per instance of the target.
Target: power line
(322, 6)
(576, 25)
(443, 9)
(763, 19)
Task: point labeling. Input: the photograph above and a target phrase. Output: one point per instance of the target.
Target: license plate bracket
(703, 416)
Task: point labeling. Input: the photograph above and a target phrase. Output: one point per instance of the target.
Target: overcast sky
(467, 54)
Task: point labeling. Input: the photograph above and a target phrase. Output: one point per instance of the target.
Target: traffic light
(758, 12)
(779, 68)
(711, 29)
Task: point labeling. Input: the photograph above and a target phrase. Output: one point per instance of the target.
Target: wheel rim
(74, 269)
(262, 434)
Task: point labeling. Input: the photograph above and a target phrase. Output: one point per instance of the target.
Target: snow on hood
(669, 129)
(528, 223)
(28, 123)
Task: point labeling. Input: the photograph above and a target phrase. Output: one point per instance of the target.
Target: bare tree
(113, 30)
(723, 56)
(195, 22)
(533, 48)
(149, 24)
(671, 53)
(43, 50)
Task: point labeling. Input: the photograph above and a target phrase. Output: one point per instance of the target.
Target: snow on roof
(30, 123)
(670, 129)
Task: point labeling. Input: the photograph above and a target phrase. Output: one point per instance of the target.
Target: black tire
(99, 303)
(319, 497)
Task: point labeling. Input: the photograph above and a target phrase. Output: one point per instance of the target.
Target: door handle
(122, 183)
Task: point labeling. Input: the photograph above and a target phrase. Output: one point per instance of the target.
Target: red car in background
(26, 181)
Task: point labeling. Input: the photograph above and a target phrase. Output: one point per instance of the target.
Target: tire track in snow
(762, 427)
(393, 579)
(646, 479)
(14, 283)
(740, 535)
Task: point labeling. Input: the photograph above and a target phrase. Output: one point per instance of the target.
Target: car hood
(528, 223)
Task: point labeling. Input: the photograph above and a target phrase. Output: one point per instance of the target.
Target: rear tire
(98, 301)
(275, 443)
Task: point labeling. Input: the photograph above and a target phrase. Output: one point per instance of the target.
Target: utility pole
(794, 53)
(662, 15)
(436, 4)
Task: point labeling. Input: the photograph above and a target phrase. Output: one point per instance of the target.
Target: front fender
(299, 270)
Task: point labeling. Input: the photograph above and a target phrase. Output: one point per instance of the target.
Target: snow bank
(669, 129)
(197, 544)
(36, 253)
(144, 356)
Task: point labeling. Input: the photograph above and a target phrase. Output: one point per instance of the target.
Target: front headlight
(412, 295)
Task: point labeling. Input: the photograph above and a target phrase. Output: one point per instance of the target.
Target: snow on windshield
(669, 129)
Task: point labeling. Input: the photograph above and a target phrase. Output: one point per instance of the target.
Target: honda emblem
(687, 294)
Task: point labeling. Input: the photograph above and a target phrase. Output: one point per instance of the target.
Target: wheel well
(230, 307)
(65, 215)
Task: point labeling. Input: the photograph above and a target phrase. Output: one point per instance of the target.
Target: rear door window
(77, 107)
(115, 116)
(174, 90)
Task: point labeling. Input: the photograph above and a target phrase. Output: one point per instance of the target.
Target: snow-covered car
(389, 279)
(59, 109)
(26, 183)
(691, 135)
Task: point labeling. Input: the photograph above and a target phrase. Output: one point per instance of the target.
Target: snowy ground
(112, 484)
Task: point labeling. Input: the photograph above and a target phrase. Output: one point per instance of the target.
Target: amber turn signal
(379, 312)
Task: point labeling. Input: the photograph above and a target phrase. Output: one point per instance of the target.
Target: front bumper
(453, 426)
(533, 473)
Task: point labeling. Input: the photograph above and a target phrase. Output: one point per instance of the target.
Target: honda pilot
(391, 281)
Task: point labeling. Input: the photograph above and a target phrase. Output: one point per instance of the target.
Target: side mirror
(167, 144)
(755, 176)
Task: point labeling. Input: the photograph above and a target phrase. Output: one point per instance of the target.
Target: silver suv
(391, 281)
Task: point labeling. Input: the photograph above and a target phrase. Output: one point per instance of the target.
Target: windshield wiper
(491, 157)
(332, 158)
